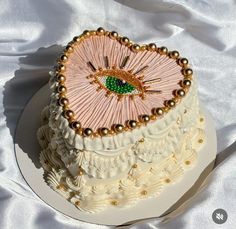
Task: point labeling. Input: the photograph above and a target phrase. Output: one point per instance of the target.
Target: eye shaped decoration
(120, 82)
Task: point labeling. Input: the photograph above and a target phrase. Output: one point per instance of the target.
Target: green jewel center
(118, 86)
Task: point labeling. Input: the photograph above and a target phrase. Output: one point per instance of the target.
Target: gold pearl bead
(144, 118)
(170, 103)
(141, 140)
(174, 54)
(157, 111)
(63, 101)
(69, 49)
(132, 124)
(187, 162)
(201, 119)
(180, 93)
(60, 78)
(163, 50)
(113, 35)
(186, 83)
(118, 128)
(68, 114)
(87, 132)
(124, 40)
(134, 166)
(61, 89)
(135, 48)
(104, 131)
(188, 72)
(76, 38)
(100, 31)
(86, 33)
(61, 68)
(75, 125)
(152, 47)
(64, 58)
(183, 62)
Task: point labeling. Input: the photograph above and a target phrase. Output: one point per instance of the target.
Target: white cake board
(27, 153)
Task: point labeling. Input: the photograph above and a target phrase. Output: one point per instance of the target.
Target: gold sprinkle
(61, 187)
(167, 180)
(201, 119)
(77, 203)
(200, 140)
(185, 111)
(144, 192)
(141, 140)
(80, 171)
(114, 202)
(187, 162)
(178, 121)
(134, 166)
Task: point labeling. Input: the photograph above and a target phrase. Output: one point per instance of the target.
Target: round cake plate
(27, 152)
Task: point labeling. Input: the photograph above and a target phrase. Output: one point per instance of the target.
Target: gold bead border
(129, 124)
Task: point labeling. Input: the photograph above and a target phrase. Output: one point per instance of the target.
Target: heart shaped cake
(123, 121)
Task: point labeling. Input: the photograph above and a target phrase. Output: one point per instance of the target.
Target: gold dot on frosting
(141, 140)
(61, 187)
(167, 180)
(201, 119)
(144, 192)
(77, 203)
(178, 121)
(185, 111)
(114, 202)
(187, 162)
(134, 166)
(200, 140)
(80, 173)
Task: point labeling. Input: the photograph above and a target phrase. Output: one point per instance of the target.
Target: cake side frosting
(141, 178)
(95, 180)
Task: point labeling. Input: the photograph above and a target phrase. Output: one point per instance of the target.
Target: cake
(123, 122)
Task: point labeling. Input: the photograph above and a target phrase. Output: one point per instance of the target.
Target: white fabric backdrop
(32, 33)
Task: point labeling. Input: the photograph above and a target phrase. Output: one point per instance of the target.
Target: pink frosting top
(91, 106)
